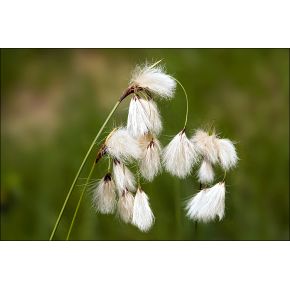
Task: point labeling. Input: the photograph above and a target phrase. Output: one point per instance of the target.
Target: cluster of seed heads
(138, 143)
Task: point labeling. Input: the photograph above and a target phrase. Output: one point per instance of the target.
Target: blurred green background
(53, 102)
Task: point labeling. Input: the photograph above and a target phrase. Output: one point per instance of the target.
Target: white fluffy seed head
(205, 145)
(155, 80)
(125, 206)
(205, 172)
(150, 163)
(153, 116)
(143, 117)
(179, 156)
(143, 217)
(207, 204)
(122, 146)
(194, 203)
(104, 196)
(227, 153)
(123, 177)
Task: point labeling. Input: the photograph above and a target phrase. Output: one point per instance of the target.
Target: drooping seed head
(150, 162)
(207, 204)
(122, 146)
(155, 80)
(143, 217)
(205, 172)
(104, 196)
(143, 117)
(123, 177)
(227, 153)
(206, 145)
(125, 206)
(179, 155)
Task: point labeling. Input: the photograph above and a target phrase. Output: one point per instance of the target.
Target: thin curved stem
(79, 202)
(186, 97)
(81, 167)
(109, 164)
(225, 174)
(138, 178)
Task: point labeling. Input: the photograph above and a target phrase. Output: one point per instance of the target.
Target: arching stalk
(186, 97)
(81, 167)
(185, 124)
(79, 202)
(81, 196)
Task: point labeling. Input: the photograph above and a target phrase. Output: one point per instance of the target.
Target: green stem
(109, 165)
(225, 174)
(186, 97)
(79, 202)
(81, 167)
(177, 209)
(138, 178)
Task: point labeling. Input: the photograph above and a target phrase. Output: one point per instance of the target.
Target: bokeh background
(53, 102)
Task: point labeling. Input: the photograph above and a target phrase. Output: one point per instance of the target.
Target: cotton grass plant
(209, 202)
(147, 82)
(136, 146)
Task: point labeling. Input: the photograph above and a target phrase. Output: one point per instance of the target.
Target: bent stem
(81, 167)
(186, 97)
(79, 202)
(225, 174)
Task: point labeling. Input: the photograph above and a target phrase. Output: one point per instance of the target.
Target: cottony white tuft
(206, 145)
(143, 116)
(194, 203)
(153, 115)
(143, 217)
(150, 163)
(179, 155)
(205, 172)
(122, 146)
(207, 204)
(123, 177)
(125, 206)
(138, 121)
(227, 153)
(104, 197)
(155, 80)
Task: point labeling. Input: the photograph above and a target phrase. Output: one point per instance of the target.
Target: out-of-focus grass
(54, 101)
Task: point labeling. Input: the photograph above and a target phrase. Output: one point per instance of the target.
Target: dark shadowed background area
(54, 101)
